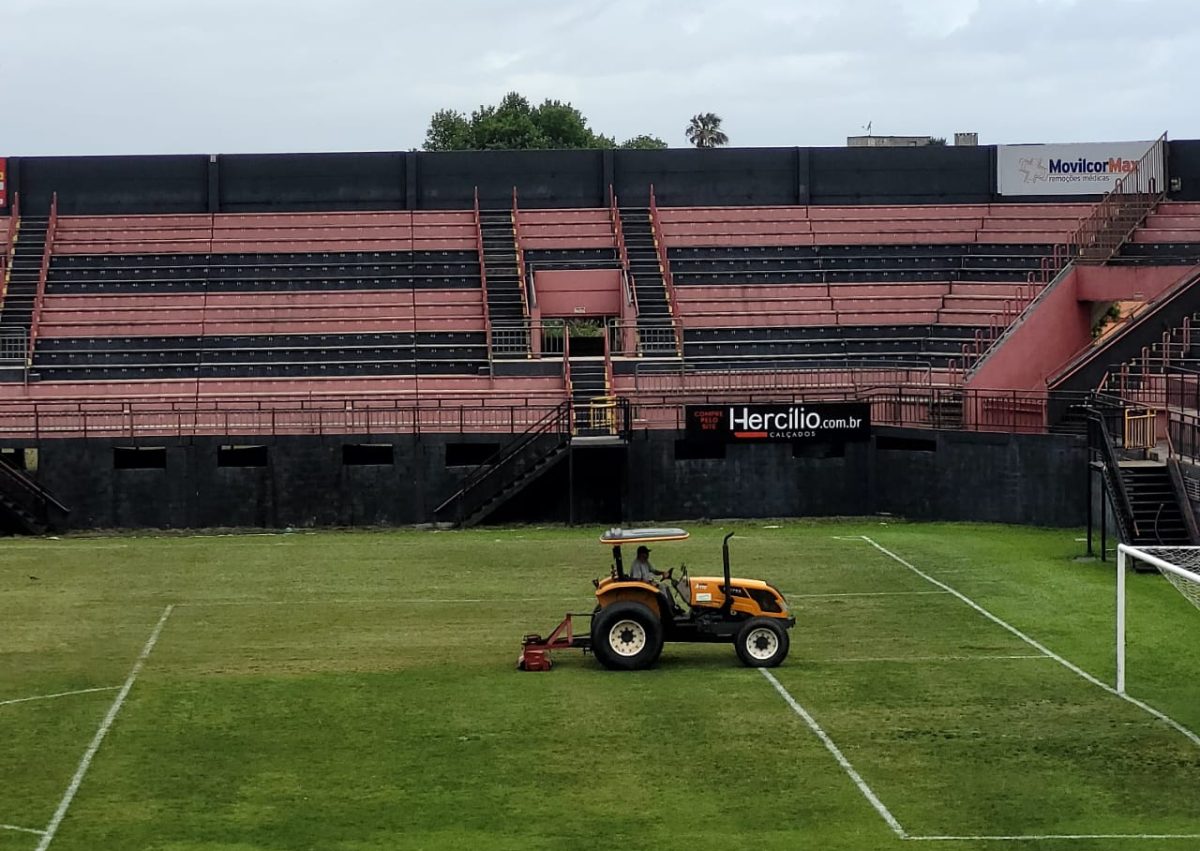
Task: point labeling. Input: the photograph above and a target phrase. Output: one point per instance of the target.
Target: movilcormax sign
(785, 422)
(1091, 168)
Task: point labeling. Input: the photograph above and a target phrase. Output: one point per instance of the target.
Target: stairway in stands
(25, 506)
(655, 328)
(589, 382)
(506, 305)
(1158, 520)
(19, 297)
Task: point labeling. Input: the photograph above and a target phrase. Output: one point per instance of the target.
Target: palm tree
(705, 131)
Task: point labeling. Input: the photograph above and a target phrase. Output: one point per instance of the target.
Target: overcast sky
(232, 76)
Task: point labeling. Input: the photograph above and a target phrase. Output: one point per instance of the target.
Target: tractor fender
(639, 592)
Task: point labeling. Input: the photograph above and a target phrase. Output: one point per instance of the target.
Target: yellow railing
(602, 414)
(1141, 428)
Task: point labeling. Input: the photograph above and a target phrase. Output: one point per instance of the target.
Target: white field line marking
(1070, 666)
(390, 601)
(90, 753)
(21, 829)
(839, 660)
(1053, 836)
(60, 694)
(837, 754)
(64, 545)
(863, 594)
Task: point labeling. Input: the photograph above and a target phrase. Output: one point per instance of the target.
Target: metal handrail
(43, 275)
(487, 323)
(556, 422)
(1097, 238)
(622, 249)
(14, 220)
(1122, 209)
(35, 496)
(526, 299)
(1111, 471)
(664, 264)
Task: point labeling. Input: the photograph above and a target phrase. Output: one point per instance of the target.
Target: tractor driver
(641, 569)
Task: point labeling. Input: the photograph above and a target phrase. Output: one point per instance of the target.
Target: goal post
(1180, 566)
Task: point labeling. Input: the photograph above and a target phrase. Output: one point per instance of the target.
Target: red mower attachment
(535, 650)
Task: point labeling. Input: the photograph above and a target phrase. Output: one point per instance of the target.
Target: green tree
(515, 124)
(510, 125)
(448, 131)
(563, 126)
(704, 131)
(644, 143)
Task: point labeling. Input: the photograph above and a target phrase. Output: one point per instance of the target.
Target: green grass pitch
(357, 690)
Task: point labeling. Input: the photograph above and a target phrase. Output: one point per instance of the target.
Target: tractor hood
(750, 596)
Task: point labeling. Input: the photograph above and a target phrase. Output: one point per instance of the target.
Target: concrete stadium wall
(924, 475)
(432, 181)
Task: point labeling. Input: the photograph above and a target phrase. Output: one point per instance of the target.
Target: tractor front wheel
(626, 636)
(762, 643)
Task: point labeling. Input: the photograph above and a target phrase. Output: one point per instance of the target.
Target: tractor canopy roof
(641, 536)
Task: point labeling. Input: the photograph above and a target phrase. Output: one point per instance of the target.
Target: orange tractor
(633, 618)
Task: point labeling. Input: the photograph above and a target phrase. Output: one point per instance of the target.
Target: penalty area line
(109, 718)
(1048, 837)
(60, 694)
(1037, 645)
(866, 791)
(22, 829)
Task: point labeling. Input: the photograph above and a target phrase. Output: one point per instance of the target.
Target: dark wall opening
(368, 455)
(139, 458)
(241, 456)
(469, 454)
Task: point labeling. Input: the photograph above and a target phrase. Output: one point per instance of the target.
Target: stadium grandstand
(404, 338)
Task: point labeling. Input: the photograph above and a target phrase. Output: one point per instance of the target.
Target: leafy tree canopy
(515, 124)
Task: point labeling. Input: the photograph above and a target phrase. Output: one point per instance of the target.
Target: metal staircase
(1154, 505)
(590, 396)
(1145, 501)
(24, 271)
(502, 274)
(25, 506)
(656, 328)
(512, 469)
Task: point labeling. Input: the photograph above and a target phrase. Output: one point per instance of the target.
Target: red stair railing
(487, 320)
(44, 273)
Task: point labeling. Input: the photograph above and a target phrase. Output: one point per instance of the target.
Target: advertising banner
(1091, 168)
(783, 422)
(3, 182)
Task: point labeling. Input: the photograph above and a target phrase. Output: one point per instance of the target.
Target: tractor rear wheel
(762, 643)
(627, 636)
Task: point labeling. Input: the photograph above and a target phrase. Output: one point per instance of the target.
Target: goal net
(1179, 565)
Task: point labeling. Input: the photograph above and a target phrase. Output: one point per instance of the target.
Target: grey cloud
(167, 76)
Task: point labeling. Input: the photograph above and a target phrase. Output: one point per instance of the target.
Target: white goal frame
(1124, 553)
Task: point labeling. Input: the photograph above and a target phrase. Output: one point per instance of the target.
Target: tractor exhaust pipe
(727, 590)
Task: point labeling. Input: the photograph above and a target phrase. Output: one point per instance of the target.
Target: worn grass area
(356, 691)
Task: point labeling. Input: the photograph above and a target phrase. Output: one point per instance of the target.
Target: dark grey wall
(260, 182)
(923, 475)
(1030, 479)
(433, 181)
(1183, 164)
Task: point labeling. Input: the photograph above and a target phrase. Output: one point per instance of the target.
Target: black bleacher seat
(442, 352)
(169, 273)
(802, 345)
(783, 265)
